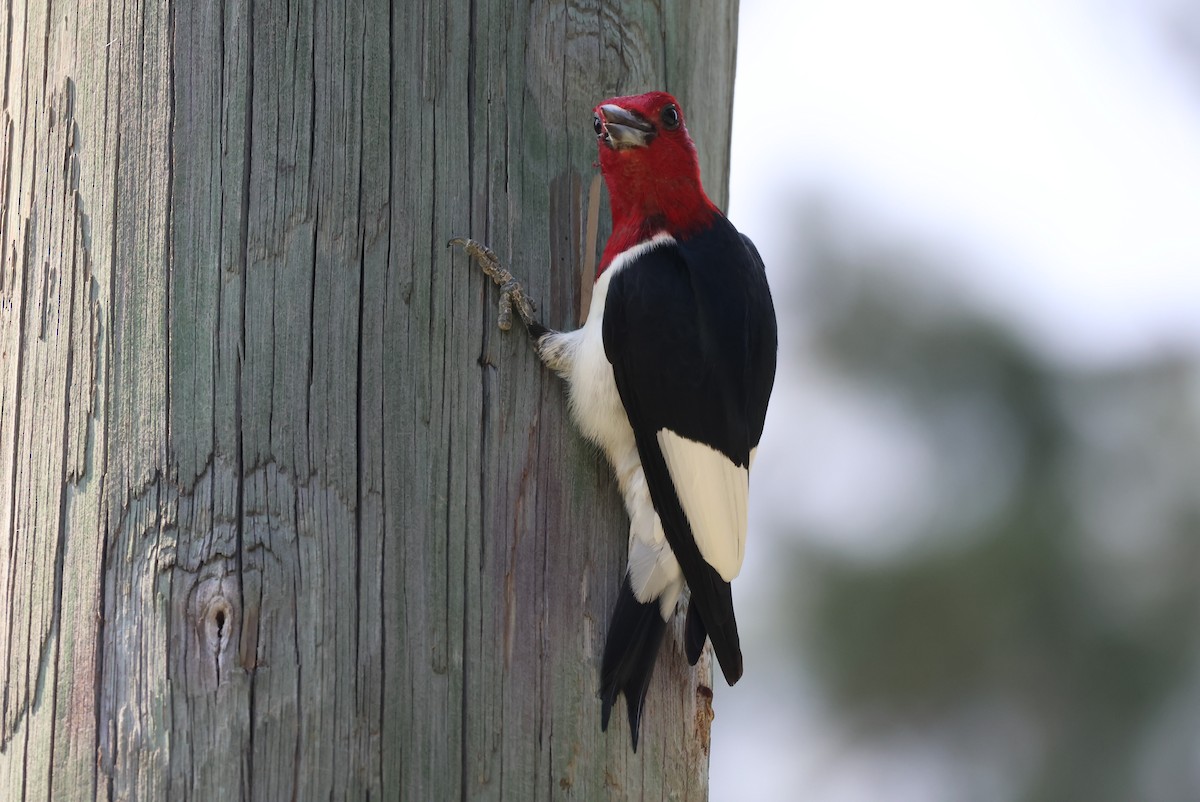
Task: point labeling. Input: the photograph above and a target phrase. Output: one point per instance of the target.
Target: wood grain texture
(284, 514)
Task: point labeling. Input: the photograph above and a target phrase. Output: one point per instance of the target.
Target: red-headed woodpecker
(670, 376)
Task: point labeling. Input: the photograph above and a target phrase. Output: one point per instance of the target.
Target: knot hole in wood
(218, 623)
(217, 620)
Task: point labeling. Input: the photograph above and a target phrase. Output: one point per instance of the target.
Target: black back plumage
(689, 328)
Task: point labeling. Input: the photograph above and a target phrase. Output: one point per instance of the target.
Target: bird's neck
(643, 206)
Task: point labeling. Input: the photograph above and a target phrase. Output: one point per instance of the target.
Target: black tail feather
(694, 634)
(635, 634)
(718, 621)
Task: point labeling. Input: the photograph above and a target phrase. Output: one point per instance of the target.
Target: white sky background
(1051, 149)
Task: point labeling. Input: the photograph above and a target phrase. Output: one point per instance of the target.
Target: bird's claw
(512, 294)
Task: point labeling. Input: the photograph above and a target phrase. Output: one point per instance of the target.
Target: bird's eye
(670, 117)
(599, 126)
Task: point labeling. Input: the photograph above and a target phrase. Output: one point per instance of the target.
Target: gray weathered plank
(285, 515)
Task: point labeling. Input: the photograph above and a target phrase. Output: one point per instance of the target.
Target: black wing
(690, 331)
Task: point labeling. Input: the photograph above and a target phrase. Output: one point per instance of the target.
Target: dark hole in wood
(220, 623)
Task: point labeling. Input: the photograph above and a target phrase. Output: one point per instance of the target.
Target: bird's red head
(651, 169)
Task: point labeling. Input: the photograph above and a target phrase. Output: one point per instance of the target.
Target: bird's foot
(512, 294)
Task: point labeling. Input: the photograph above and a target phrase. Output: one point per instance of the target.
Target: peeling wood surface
(284, 515)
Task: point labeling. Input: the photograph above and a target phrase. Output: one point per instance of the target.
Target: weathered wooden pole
(284, 515)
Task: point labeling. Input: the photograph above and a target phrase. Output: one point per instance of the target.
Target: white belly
(597, 409)
(595, 402)
(579, 357)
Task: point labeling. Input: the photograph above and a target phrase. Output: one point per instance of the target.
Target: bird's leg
(512, 294)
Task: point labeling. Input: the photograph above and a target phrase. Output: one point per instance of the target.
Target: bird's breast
(595, 402)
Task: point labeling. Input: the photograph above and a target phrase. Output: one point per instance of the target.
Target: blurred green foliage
(1072, 602)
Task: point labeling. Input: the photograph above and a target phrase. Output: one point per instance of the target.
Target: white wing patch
(712, 491)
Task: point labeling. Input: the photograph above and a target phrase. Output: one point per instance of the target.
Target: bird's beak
(620, 128)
